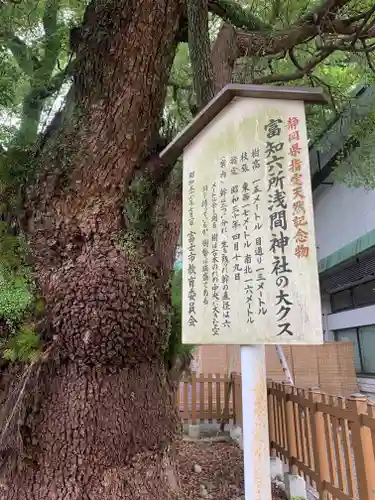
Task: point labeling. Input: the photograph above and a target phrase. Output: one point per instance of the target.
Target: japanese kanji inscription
(249, 257)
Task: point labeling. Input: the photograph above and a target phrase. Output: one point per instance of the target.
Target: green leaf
(23, 346)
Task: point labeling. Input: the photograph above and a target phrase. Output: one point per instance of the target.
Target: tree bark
(224, 55)
(98, 420)
(200, 51)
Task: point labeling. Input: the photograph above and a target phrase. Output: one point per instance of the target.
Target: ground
(212, 470)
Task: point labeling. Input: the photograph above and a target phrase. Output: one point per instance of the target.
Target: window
(342, 300)
(358, 296)
(364, 294)
(367, 346)
(364, 347)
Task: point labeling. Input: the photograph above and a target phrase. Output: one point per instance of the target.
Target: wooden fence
(328, 440)
(210, 397)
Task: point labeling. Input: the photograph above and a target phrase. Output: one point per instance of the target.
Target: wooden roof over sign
(174, 149)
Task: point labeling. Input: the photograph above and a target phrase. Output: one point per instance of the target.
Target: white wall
(350, 319)
(367, 386)
(342, 215)
(326, 311)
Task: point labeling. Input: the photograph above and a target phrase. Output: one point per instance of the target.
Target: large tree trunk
(95, 416)
(200, 51)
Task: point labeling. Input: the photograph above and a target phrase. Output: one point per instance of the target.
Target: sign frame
(229, 104)
(254, 385)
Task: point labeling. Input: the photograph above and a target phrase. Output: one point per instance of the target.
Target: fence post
(234, 400)
(218, 383)
(238, 398)
(271, 417)
(193, 398)
(186, 399)
(290, 429)
(319, 443)
(209, 398)
(362, 448)
(228, 381)
(202, 411)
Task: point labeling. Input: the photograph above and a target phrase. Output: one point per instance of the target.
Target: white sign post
(255, 423)
(249, 257)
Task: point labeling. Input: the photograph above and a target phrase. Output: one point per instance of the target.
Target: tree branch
(343, 47)
(26, 60)
(301, 70)
(200, 51)
(362, 25)
(21, 53)
(52, 41)
(225, 52)
(229, 11)
(236, 15)
(56, 81)
(258, 40)
(32, 106)
(321, 11)
(368, 58)
(51, 10)
(262, 42)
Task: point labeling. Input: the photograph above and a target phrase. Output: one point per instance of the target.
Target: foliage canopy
(282, 42)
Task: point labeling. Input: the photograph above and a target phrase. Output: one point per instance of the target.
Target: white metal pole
(255, 423)
(284, 365)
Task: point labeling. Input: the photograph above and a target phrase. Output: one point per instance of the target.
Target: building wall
(326, 311)
(342, 215)
(219, 359)
(351, 319)
(329, 366)
(367, 386)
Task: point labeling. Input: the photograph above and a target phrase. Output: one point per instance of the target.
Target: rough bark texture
(200, 51)
(103, 419)
(96, 432)
(224, 55)
(123, 62)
